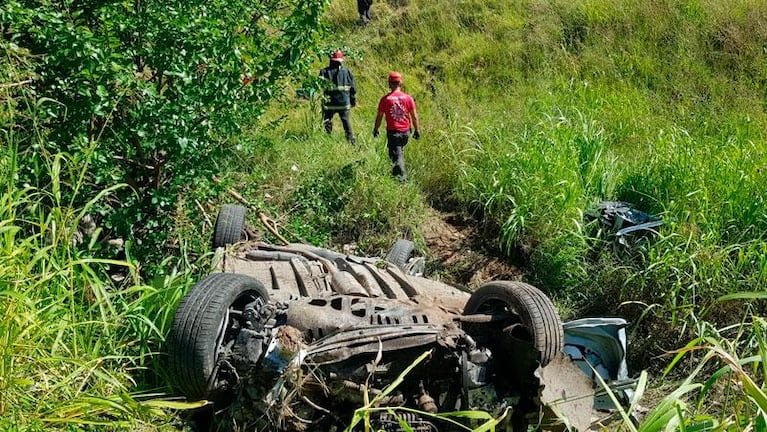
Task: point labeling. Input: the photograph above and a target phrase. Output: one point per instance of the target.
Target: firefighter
(340, 94)
(401, 118)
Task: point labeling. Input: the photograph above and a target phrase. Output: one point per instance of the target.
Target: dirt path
(460, 253)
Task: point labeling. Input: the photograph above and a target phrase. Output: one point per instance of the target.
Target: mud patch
(460, 252)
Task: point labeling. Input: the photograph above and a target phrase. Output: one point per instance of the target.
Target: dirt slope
(458, 251)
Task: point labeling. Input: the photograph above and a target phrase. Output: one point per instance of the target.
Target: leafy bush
(148, 93)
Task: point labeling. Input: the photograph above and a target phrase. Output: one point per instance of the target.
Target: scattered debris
(619, 219)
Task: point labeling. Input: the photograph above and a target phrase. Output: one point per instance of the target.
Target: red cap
(395, 77)
(338, 56)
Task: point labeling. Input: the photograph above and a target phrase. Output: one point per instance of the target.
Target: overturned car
(294, 338)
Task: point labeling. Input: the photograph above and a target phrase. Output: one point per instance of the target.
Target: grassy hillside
(534, 110)
(531, 112)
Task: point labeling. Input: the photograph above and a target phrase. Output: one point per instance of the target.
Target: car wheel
(530, 314)
(400, 253)
(229, 225)
(207, 319)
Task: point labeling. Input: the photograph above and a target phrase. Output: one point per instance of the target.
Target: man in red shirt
(400, 112)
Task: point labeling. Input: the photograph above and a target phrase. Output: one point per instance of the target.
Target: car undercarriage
(297, 338)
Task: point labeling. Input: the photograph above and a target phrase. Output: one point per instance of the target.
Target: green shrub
(149, 93)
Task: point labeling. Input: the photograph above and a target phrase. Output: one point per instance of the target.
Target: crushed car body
(295, 338)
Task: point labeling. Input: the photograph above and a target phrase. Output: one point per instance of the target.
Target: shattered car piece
(598, 346)
(599, 342)
(619, 219)
(594, 351)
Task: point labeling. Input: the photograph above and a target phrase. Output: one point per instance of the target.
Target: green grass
(78, 350)
(531, 111)
(534, 111)
(324, 191)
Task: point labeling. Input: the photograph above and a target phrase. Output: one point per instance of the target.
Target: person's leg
(392, 152)
(398, 158)
(327, 120)
(346, 122)
(396, 145)
(362, 8)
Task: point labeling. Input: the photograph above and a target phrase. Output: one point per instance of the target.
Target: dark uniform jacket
(341, 92)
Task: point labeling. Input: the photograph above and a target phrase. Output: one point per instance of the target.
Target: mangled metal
(598, 346)
(622, 221)
(322, 354)
(294, 338)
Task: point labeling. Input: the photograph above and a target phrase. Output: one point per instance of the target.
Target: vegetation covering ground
(532, 111)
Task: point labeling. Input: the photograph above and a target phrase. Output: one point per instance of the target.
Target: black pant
(327, 121)
(363, 7)
(396, 142)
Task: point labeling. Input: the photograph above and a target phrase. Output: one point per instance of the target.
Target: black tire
(400, 253)
(229, 225)
(526, 305)
(199, 329)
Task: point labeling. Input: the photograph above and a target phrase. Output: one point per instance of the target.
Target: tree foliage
(148, 92)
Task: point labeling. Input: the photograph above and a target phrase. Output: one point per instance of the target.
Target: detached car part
(620, 219)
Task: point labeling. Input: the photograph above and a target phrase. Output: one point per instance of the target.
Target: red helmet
(395, 77)
(338, 56)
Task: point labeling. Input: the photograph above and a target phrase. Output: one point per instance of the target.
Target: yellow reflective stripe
(337, 107)
(344, 88)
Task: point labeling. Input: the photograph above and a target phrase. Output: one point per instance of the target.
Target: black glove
(375, 133)
(416, 135)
